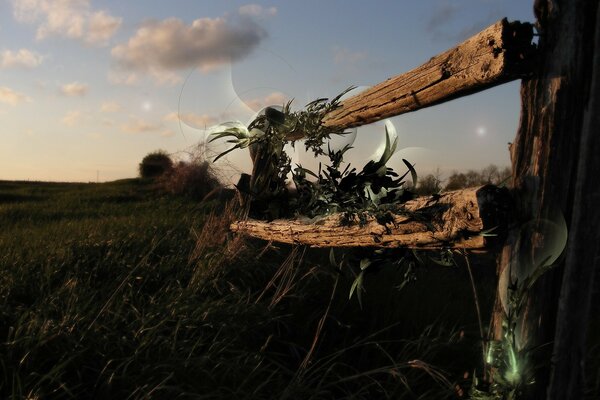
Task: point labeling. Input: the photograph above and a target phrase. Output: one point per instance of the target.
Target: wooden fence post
(555, 172)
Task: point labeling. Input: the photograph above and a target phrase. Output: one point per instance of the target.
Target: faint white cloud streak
(22, 58)
(12, 97)
(74, 89)
(272, 99)
(72, 118)
(192, 119)
(256, 10)
(110, 107)
(137, 126)
(445, 22)
(344, 56)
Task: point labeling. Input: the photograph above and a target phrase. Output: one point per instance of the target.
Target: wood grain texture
(498, 54)
(555, 175)
(454, 220)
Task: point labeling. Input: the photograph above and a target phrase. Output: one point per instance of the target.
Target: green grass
(117, 291)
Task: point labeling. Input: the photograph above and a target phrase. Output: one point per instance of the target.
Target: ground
(116, 290)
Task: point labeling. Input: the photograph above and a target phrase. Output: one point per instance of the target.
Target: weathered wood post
(555, 159)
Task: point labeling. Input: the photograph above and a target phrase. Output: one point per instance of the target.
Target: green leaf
(413, 173)
(486, 233)
(274, 116)
(442, 262)
(365, 263)
(417, 256)
(226, 152)
(332, 258)
(357, 286)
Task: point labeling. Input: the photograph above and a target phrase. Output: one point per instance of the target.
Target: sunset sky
(87, 88)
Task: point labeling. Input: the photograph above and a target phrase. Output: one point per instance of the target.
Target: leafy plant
(509, 367)
(349, 191)
(332, 188)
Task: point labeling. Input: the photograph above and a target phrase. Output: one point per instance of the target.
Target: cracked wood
(498, 54)
(455, 220)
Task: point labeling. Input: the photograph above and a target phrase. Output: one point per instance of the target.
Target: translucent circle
(368, 142)
(257, 89)
(262, 112)
(551, 236)
(207, 99)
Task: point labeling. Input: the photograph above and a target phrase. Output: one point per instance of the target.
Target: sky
(88, 87)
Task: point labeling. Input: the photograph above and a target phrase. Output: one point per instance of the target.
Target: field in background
(116, 290)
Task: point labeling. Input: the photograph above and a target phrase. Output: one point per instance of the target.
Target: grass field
(117, 291)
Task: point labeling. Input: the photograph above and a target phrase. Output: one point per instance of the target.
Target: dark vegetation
(120, 290)
(194, 179)
(492, 174)
(155, 164)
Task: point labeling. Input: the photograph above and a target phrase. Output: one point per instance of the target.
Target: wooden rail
(500, 53)
(455, 219)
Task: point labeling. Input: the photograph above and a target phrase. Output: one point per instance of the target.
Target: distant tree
(504, 176)
(155, 164)
(429, 185)
(456, 181)
(473, 178)
(488, 175)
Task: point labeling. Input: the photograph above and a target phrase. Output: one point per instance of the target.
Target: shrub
(194, 179)
(429, 185)
(155, 164)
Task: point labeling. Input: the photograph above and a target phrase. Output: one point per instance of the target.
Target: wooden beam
(498, 54)
(456, 220)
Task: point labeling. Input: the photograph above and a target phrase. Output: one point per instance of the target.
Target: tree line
(492, 174)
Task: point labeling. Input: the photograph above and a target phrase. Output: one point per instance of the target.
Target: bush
(155, 164)
(194, 179)
(429, 185)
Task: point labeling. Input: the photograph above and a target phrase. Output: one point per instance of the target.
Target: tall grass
(117, 291)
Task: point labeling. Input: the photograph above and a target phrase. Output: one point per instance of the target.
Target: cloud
(74, 89)
(167, 133)
(22, 58)
(195, 120)
(72, 118)
(272, 99)
(171, 44)
(164, 78)
(344, 56)
(12, 97)
(137, 125)
(441, 15)
(72, 19)
(101, 27)
(123, 78)
(256, 10)
(110, 107)
(94, 135)
(445, 23)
